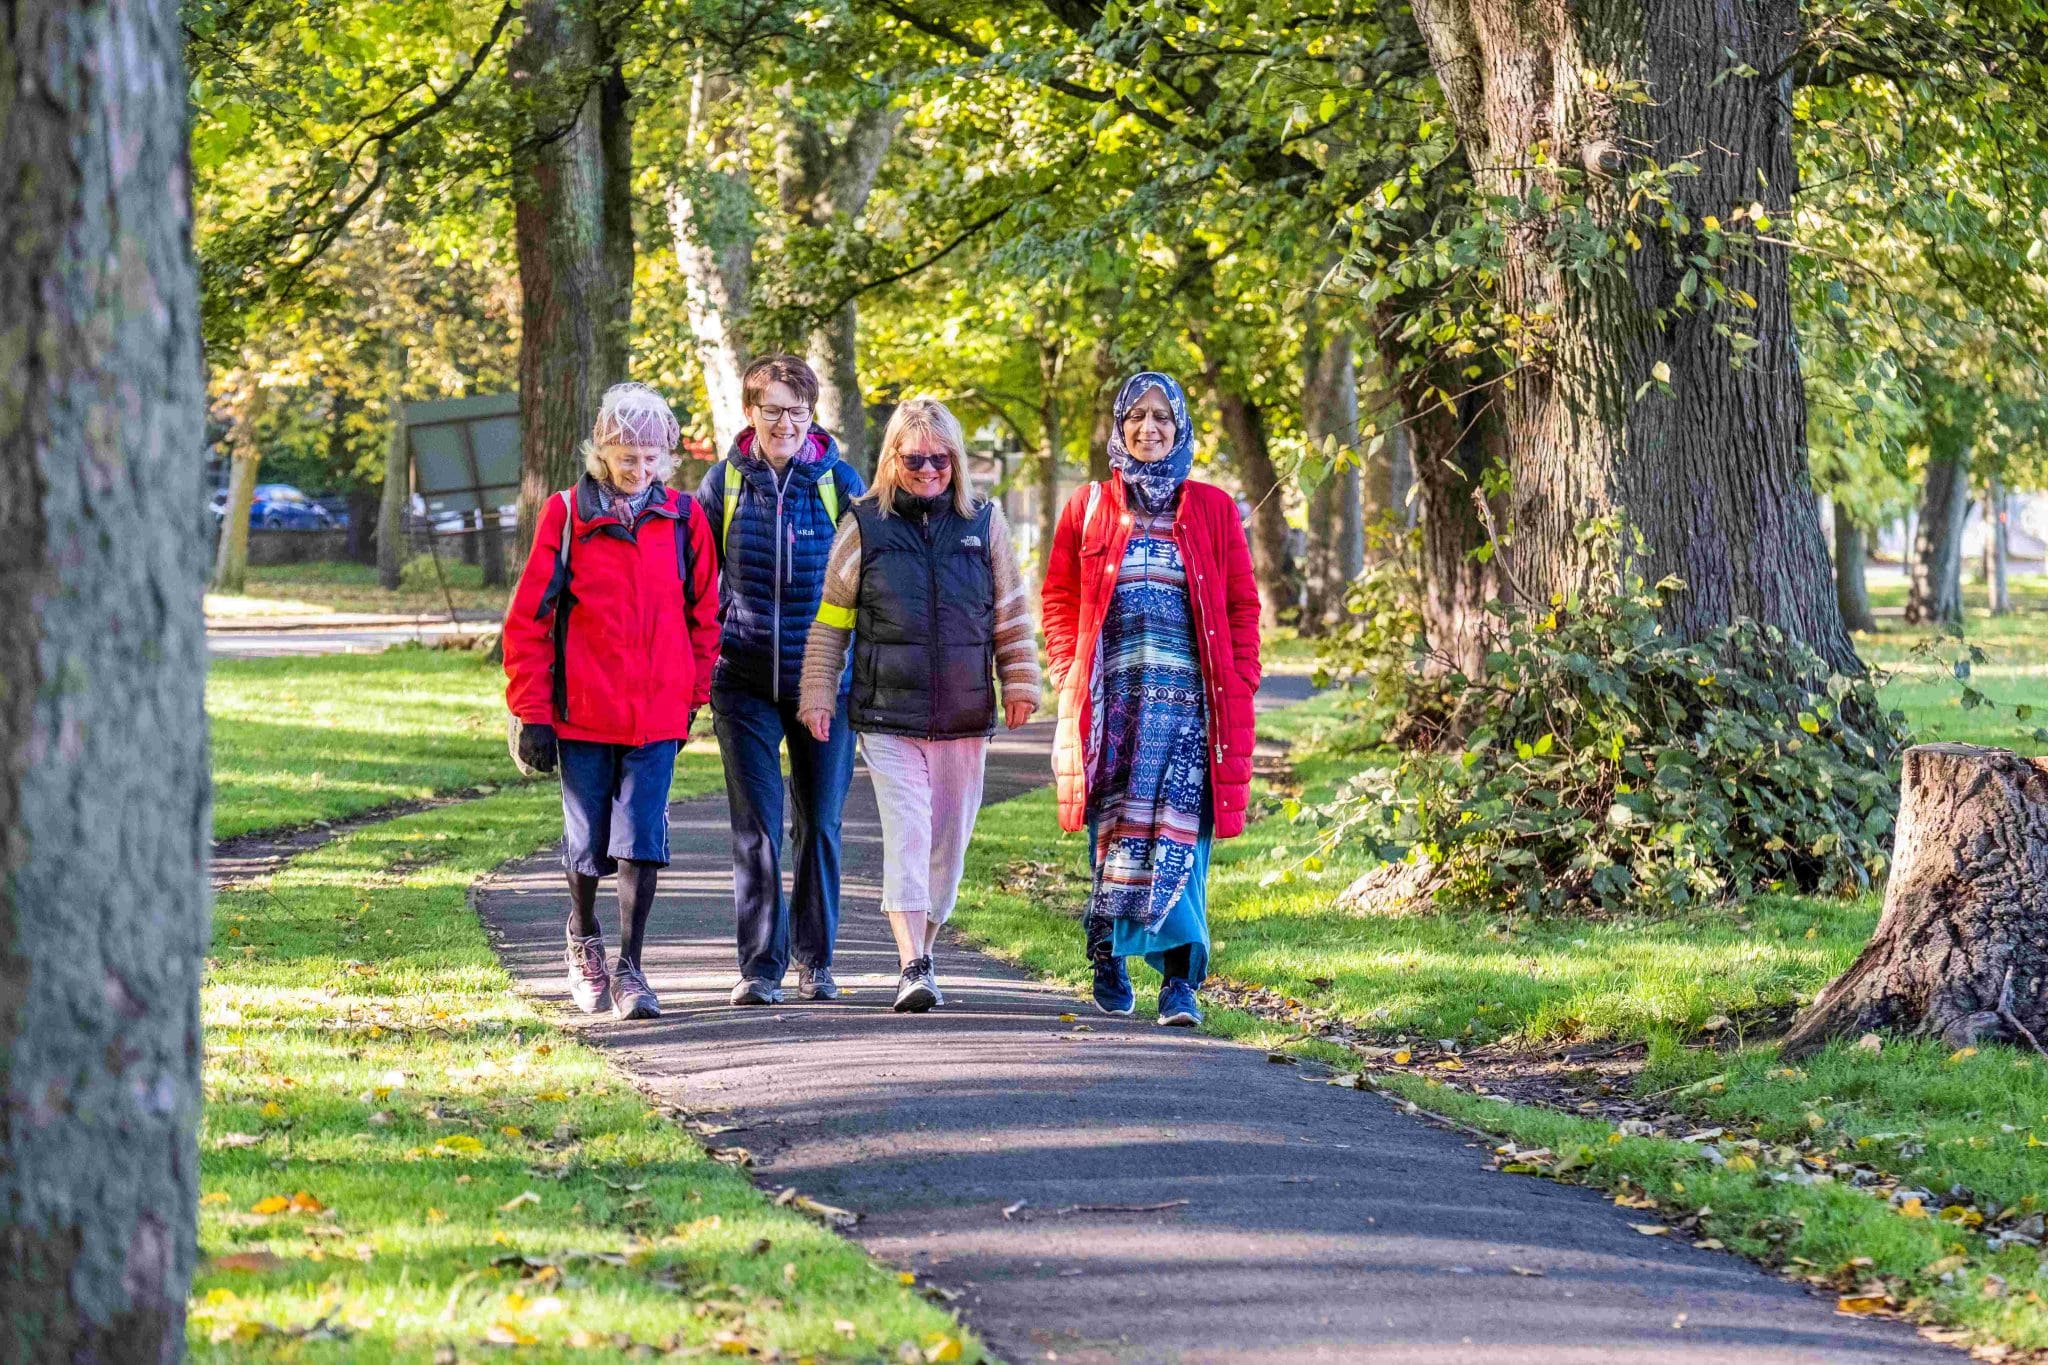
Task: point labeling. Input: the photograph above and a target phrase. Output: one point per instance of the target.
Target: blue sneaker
(1113, 993)
(1177, 1006)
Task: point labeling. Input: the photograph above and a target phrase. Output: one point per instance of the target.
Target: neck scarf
(627, 509)
(1153, 484)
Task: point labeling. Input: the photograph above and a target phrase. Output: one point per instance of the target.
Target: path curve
(1303, 1222)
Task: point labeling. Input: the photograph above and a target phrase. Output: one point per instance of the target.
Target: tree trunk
(1852, 593)
(710, 214)
(1935, 593)
(575, 305)
(824, 183)
(1329, 419)
(1052, 364)
(1997, 549)
(1961, 951)
(1459, 574)
(1638, 400)
(231, 556)
(1244, 426)
(397, 500)
(1102, 406)
(103, 763)
(1382, 494)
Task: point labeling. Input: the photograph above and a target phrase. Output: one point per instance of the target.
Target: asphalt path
(1124, 1193)
(250, 641)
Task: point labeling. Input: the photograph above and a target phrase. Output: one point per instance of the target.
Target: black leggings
(1178, 962)
(636, 899)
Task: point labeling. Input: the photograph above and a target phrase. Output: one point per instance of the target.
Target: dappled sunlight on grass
(400, 1156)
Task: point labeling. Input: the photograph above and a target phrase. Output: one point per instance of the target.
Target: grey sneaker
(816, 983)
(916, 992)
(752, 990)
(590, 986)
(632, 997)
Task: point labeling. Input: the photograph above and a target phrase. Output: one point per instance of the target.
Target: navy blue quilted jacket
(772, 561)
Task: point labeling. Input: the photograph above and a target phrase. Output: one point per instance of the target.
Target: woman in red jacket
(1152, 625)
(609, 644)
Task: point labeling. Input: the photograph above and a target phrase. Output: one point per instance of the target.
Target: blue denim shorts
(614, 804)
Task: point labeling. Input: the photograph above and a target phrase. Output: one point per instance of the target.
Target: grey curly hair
(632, 414)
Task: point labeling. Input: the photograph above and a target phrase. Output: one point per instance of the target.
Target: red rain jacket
(636, 657)
(1080, 582)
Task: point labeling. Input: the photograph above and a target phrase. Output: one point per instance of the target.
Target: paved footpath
(1305, 1222)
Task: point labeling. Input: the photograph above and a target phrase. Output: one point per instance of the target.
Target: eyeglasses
(922, 463)
(774, 415)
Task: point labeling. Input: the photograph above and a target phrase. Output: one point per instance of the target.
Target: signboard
(465, 452)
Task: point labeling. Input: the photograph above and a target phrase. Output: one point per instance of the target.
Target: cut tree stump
(1961, 951)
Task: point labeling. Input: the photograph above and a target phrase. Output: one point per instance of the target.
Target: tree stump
(1961, 951)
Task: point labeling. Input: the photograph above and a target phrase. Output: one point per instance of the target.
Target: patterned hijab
(1152, 484)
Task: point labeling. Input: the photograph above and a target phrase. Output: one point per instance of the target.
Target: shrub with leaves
(1606, 766)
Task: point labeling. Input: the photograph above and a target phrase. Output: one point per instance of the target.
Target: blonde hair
(926, 417)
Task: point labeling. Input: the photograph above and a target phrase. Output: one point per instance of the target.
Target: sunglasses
(922, 463)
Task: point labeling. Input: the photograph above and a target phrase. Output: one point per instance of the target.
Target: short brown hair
(783, 369)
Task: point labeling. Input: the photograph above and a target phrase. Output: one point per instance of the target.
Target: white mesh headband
(635, 415)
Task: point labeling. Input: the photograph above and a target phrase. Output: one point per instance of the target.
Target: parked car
(281, 507)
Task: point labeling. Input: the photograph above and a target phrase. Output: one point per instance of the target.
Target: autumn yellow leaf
(1857, 1304)
(551, 1096)
(1960, 1053)
(512, 1130)
(271, 1110)
(1401, 1057)
(212, 1197)
(304, 1202)
(1912, 1208)
(270, 1203)
(1067, 1018)
(436, 1216)
(1652, 1229)
(506, 1334)
(519, 1201)
(941, 1348)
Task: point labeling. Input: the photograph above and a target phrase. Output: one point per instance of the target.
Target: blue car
(281, 507)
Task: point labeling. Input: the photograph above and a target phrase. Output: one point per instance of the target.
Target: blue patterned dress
(1148, 810)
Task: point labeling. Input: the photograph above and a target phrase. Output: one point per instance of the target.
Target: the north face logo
(975, 541)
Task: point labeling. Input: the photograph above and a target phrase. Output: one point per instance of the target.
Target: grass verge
(402, 1160)
(317, 738)
(293, 589)
(1907, 1179)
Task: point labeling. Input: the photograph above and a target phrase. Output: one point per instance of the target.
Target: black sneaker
(916, 992)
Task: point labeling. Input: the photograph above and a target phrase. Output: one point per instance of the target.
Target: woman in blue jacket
(774, 503)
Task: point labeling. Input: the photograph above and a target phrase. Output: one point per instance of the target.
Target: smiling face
(630, 468)
(924, 448)
(1148, 427)
(780, 420)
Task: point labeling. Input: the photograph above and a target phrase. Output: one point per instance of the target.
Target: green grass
(274, 589)
(366, 1051)
(302, 739)
(1912, 1112)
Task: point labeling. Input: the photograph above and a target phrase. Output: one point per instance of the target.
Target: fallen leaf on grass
(212, 1197)
(1857, 1305)
(247, 1260)
(271, 1110)
(941, 1348)
(304, 1202)
(507, 1334)
(1711, 1244)
(231, 1140)
(519, 1201)
(1401, 1058)
(1068, 1018)
(270, 1203)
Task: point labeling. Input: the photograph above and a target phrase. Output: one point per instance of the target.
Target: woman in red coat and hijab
(1152, 625)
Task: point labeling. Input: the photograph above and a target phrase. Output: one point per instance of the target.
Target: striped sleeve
(1016, 632)
(832, 631)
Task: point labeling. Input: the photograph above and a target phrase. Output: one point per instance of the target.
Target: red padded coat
(636, 658)
(1080, 582)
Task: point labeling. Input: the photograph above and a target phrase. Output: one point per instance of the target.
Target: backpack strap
(828, 489)
(563, 599)
(685, 557)
(732, 480)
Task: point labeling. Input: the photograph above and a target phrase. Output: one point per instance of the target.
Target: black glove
(537, 747)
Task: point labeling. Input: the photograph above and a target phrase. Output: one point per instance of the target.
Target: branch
(971, 230)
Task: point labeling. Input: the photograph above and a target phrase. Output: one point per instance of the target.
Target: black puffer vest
(924, 651)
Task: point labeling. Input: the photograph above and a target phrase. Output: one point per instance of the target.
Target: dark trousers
(751, 733)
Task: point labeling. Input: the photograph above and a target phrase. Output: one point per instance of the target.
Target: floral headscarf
(1153, 484)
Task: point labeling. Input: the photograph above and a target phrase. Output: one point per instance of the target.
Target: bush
(1606, 766)
(418, 575)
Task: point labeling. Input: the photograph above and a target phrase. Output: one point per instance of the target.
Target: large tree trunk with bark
(824, 182)
(575, 256)
(1052, 364)
(1244, 427)
(1329, 419)
(1852, 589)
(1961, 951)
(103, 764)
(1638, 398)
(1935, 589)
(1102, 405)
(710, 214)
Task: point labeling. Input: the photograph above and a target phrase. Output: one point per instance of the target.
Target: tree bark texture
(1052, 364)
(1711, 467)
(825, 181)
(1934, 591)
(1329, 419)
(1102, 406)
(575, 259)
(103, 762)
(1244, 427)
(710, 214)
(397, 499)
(1961, 950)
(231, 554)
(1852, 591)
(1452, 448)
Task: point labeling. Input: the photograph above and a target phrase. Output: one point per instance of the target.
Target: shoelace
(592, 954)
(630, 977)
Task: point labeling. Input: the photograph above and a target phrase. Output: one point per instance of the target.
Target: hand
(1016, 713)
(819, 723)
(537, 747)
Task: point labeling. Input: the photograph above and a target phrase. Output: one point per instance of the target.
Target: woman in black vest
(924, 584)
